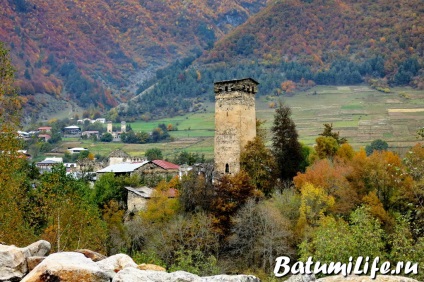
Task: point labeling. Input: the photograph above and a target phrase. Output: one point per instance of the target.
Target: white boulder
(116, 263)
(67, 266)
(13, 260)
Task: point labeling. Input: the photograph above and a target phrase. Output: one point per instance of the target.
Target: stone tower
(109, 127)
(235, 122)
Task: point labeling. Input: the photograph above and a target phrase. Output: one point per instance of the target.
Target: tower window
(226, 88)
(227, 168)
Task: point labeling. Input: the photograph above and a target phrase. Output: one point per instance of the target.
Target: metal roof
(78, 148)
(165, 165)
(122, 167)
(47, 162)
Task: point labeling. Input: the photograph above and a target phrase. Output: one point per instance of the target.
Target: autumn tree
(64, 214)
(315, 202)
(167, 244)
(403, 246)
(335, 240)
(345, 152)
(384, 173)
(260, 233)
(288, 86)
(232, 191)
(414, 163)
(285, 145)
(259, 163)
(14, 229)
(328, 132)
(326, 147)
(196, 193)
(332, 176)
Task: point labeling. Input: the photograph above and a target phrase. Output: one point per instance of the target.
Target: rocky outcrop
(116, 263)
(130, 274)
(94, 256)
(13, 260)
(67, 266)
(29, 264)
(148, 266)
(32, 262)
(88, 266)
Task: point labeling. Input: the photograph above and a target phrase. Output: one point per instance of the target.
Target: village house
(45, 129)
(156, 168)
(118, 156)
(76, 150)
(91, 133)
(48, 163)
(138, 197)
(122, 169)
(24, 135)
(72, 131)
(44, 137)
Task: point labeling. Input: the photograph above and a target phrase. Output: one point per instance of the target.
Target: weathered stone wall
(235, 122)
(135, 202)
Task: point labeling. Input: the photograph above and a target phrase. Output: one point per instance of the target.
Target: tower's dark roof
(236, 80)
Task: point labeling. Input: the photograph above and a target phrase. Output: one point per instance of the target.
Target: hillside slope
(318, 32)
(84, 50)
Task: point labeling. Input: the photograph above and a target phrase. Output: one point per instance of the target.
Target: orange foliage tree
(288, 86)
(331, 176)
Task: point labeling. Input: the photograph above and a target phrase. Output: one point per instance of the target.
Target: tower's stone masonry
(235, 122)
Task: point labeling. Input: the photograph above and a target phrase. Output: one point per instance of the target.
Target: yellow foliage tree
(315, 202)
(160, 208)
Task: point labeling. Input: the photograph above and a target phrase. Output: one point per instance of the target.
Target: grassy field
(359, 113)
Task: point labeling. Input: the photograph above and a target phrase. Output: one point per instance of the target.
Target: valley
(359, 113)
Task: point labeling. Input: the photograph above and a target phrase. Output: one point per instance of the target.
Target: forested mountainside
(317, 32)
(85, 50)
(299, 43)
